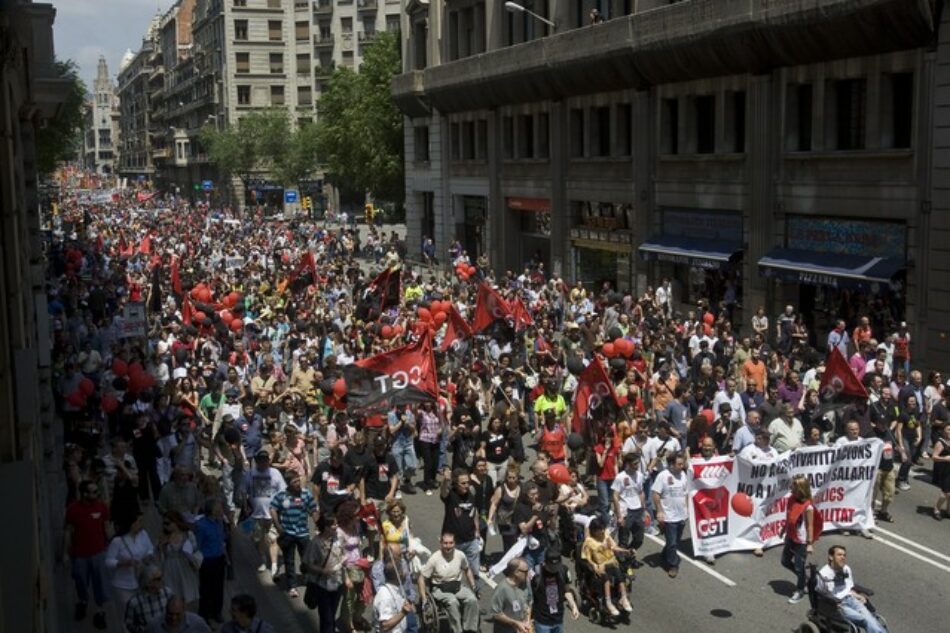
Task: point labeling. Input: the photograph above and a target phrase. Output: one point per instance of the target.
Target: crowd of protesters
(223, 411)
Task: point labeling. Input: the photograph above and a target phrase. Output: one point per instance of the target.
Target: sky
(86, 29)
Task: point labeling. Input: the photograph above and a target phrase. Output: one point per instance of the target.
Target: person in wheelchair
(836, 581)
(599, 554)
(447, 571)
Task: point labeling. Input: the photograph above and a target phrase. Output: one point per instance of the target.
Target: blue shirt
(293, 510)
(210, 536)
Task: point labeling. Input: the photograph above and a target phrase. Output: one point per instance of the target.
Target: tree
(359, 128)
(58, 140)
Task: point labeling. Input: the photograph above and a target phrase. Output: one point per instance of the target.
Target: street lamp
(514, 7)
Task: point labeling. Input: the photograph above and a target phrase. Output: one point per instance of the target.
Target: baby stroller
(823, 613)
(591, 589)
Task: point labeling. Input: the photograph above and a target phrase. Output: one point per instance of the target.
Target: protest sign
(134, 322)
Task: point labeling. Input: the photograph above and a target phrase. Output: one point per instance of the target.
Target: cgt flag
(839, 385)
(402, 376)
(489, 307)
(382, 292)
(457, 330)
(594, 390)
(522, 318)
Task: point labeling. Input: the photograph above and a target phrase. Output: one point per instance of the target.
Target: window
(242, 62)
(705, 113)
(392, 23)
(525, 136)
(421, 143)
(277, 95)
(468, 140)
(481, 142)
(543, 143)
(274, 4)
(798, 117)
(274, 30)
(244, 95)
(735, 122)
(348, 58)
(508, 137)
(624, 136)
(326, 35)
(303, 64)
(670, 126)
(577, 132)
(420, 40)
(452, 35)
(240, 3)
(600, 131)
(240, 29)
(369, 25)
(455, 140)
(304, 96)
(276, 63)
(346, 25)
(302, 31)
(849, 111)
(898, 110)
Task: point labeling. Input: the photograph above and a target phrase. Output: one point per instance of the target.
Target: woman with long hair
(323, 564)
(502, 506)
(799, 533)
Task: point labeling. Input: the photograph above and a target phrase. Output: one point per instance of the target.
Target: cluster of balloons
(432, 316)
(334, 393)
(228, 312)
(465, 271)
(388, 331)
(619, 347)
(202, 293)
(137, 379)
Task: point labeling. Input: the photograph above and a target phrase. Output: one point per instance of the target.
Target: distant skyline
(86, 29)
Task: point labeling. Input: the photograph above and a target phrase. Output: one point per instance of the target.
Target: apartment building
(759, 154)
(135, 110)
(99, 131)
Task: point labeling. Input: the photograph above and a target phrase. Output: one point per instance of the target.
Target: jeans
(497, 471)
(472, 552)
(289, 545)
(913, 452)
(648, 496)
(405, 456)
(90, 570)
(327, 603)
(534, 558)
(603, 498)
(430, 461)
(857, 612)
(631, 529)
(673, 533)
(793, 559)
(548, 628)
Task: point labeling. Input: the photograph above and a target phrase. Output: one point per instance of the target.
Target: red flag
(457, 329)
(307, 262)
(839, 382)
(489, 306)
(146, 246)
(176, 279)
(387, 287)
(141, 196)
(522, 317)
(404, 375)
(594, 390)
(186, 310)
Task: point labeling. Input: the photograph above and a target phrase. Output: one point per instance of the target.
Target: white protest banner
(134, 322)
(233, 262)
(842, 485)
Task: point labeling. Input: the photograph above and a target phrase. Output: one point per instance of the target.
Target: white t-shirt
(838, 585)
(672, 492)
(628, 489)
(261, 487)
(653, 447)
(124, 548)
(387, 603)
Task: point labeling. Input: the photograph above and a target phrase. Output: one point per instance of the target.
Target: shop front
(601, 243)
(700, 251)
(835, 268)
(534, 229)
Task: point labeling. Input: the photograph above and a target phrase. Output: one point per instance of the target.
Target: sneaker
(710, 560)
(408, 488)
(399, 494)
(293, 594)
(625, 605)
(261, 568)
(273, 570)
(99, 621)
(758, 552)
(903, 486)
(886, 517)
(612, 610)
(80, 613)
(429, 492)
(866, 533)
(653, 531)
(672, 572)
(797, 597)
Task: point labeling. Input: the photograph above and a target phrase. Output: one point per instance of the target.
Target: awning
(539, 205)
(859, 272)
(697, 253)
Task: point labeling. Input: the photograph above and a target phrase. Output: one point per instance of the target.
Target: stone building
(99, 135)
(774, 153)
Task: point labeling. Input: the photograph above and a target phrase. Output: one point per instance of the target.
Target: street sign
(207, 185)
(290, 196)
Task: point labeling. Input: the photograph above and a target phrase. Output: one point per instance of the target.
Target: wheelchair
(823, 613)
(593, 603)
(432, 616)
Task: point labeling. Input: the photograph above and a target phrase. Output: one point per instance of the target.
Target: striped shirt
(293, 510)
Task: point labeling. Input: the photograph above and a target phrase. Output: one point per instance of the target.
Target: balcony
(366, 36)
(321, 70)
(323, 7)
(163, 153)
(366, 5)
(301, 5)
(322, 42)
(679, 42)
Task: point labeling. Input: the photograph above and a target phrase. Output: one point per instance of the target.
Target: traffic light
(306, 203)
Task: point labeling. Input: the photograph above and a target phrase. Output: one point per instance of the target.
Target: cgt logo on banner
(842, 484)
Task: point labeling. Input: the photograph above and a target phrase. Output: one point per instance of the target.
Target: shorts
(264, 528)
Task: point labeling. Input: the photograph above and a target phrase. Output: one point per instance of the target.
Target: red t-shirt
(374, 421)
(88, 521)
(552, 442)
(609, 470)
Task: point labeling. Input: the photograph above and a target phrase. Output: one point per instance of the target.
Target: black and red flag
(404, 375)
(387, 288)
(594, 396)
(839, 385)
(522, 318)
(489, 307)
(456, 330)
(306, 263)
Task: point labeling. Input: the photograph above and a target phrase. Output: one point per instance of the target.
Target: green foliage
(359, 129)
(58, 141)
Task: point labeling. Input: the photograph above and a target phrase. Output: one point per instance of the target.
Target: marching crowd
(229, 409)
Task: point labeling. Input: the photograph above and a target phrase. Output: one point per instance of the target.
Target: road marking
(701, 566)
(903, 539)
(919, 557)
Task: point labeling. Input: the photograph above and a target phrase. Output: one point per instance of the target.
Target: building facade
(756, 154)
(99, 133)
(31, 443)
(135, 110)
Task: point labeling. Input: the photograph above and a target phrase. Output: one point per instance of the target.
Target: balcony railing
(367, 36)
(322, 42)
(366, 5)
(323, 70)
(322, 7)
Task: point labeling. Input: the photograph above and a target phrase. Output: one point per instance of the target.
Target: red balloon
(742, 504)
(424, 314)
(204, 295)
(709, 319)
(398, 330)
(196, 293)
(709, 415)
(120, 368)
(226, 317)
(559, 474)
(236, 325)
(135, 369)
(109, 404)
(200, 316)
(87, 387)
(463, 276)
(609, 350)
(339, 388)
(387, 331)
(439, 318)
(234, 297)
(76, 399)
(471, 270)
